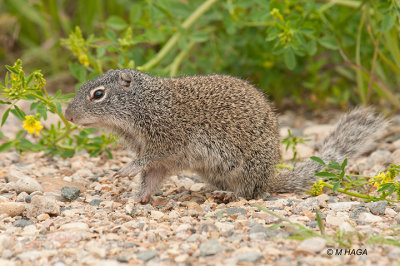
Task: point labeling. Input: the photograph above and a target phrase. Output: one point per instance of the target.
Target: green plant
(340, 238)
(58, 138)
(357, 185)
(292, 141)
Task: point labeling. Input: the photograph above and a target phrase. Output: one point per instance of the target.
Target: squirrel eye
(98, 94)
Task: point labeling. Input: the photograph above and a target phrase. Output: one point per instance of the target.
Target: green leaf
(6, 146)
(78, 71)
(318, 160)
(329, 44)
(312, 47)
(111, 35)
(116, 23)
(334, 165)
(27, 145)
(3, 102)
(198, 36)
(387, 22)
(108, 153)
(11, 69)
(58, 108)
(325, 174)
(336, 186)
(344, 163)
(290, 59)
(2, 135)
(18, 113)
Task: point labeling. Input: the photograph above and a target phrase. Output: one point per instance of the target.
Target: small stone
(357, 211)
(191, 205)
(76, 226)
(28, 185)
(312, 245)
(84, 173)
(146, 255)
(21, 197)
(181, 258)
(156, 215)
(381, 157)
(234, 210)
(6, 242)
(95, 202)
(346, 227)
(12, 208)
(342, 206)
(224, 227)
(42, 204)
(334, 220)
(210, 247)
(29, 255)
(390, 212)
(22, 223)
(251, 256)
(378, 207)
(70, 193)
(369, 218)
(197, 187)
(43, 217)
(14, 175)
(397, 218)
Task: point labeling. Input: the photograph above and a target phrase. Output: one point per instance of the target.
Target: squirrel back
(218, 126)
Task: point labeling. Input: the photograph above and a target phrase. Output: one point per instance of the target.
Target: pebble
(12, 208)
(43, 204)
(156, 215)
(146, 255)
(369, 218)
(70, 193)
(28, 185)
(22, 223)
(196, 187)
(397, 218)
(250, 256)
(381, 157)
(21, 197)
(224, 227)
(95, 202)
(43, 217)
(342, 206)
(210, 247)
(76, 226)
(378, 207)
(191, 205)
(318, 130)
(347, 227)
(312, 245)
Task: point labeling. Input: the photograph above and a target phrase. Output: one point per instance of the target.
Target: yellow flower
(275, 13)
(317, 188)
(32, 125)
(382, 178)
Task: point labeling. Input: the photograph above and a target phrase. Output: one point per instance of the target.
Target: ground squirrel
(218, 126)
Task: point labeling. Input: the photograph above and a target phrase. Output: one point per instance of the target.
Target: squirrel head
(103, 101)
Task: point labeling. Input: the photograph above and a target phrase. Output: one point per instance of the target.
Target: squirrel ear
(124, 80)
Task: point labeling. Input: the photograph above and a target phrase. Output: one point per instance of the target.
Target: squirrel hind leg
(151, 178)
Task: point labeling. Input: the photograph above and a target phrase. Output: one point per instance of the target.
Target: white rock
(84, 173)
(197, 187)
(381, 157)
(224, 227)
(28, 185)
(156, 215)
(369, 218)
(6, 242)
(334, 220)
(346, 227)
(76, 226)
(15, 174)
(395, 157)
(7, 262)
(12, 208)
(42, 204)
(181, 258)
(30, 229)
(312, 245)
(342, 206)
(183, 227)
(390, 212)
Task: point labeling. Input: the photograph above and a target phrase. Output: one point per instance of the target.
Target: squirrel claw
(143, 199)
(221, 196)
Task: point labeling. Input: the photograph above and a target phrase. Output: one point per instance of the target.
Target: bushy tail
(349, 139)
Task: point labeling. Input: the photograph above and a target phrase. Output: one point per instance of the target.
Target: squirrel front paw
(131, 169)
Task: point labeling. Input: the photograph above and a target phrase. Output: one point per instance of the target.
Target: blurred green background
(319, 54)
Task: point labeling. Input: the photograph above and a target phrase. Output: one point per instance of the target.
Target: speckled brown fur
(218, 126)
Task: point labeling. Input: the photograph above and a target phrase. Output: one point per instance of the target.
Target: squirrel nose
(68, 117)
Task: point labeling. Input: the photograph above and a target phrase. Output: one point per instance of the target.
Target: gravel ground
(56, 211)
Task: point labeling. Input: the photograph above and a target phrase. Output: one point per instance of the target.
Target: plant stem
(177, 35)
(178, 59)
(360, 81)
(350, 193)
